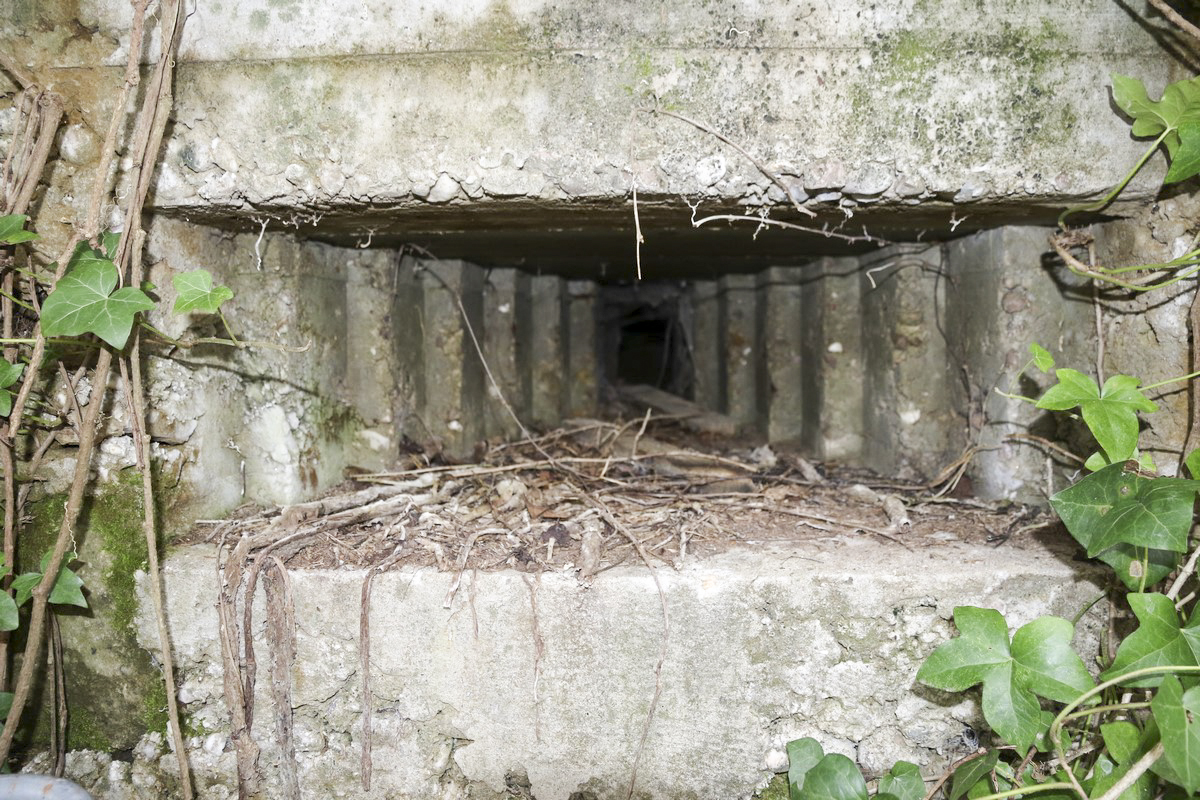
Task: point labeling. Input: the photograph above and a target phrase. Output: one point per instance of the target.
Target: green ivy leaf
(1186, 161)
(834, 777)
(1114, 506)
(9, 619)
(9, 374)
(6, 699)
(1038, 661)
(1159, 640)
(1041, 357)
(196, 292)
(1138, 567)
(109, 242)
(84, 301)
(66, 590)
(12, 230)
(971, 773)
(1192, 462)
(1180, 103)
(803, 755)
(1123, 740)
(23, 584)
(1178, 716)
(903, 782)
(1110, 414)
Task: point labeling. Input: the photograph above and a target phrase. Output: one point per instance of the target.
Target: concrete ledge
(821, 638)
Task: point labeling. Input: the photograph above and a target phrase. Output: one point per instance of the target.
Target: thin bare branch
(769, 174)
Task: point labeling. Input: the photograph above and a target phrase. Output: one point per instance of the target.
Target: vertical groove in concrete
(500, 349)
(999, 299)
(741, 348)
(522, 347)
(782, 381)
(708, 373)
(582, 387)
(547, 353)
(833, 329)
(910, 421)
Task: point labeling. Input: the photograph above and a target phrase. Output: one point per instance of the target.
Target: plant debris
(525, 506)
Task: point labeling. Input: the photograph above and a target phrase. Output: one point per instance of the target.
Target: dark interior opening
(644, 354)
(644, 340)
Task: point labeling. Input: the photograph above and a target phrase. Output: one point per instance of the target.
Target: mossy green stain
(777, 789)
(111, 523)
(117, 518)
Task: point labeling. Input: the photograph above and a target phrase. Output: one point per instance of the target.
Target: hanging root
(281, 630)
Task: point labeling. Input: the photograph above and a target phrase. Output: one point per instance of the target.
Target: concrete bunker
(489, 180)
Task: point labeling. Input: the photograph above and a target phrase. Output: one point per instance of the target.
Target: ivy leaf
(6, 699)
(1041, 357)
(1186, 161)
(1138, 567)
(834, 777)
(1159, 640)
(66, 590)
(12, 230)
(110, 242)
(1116, 505)
(1180, 103)
(23, 584)
(1038, 661)
(1110, 414)
(1192, 462)
(803, 755)
(1123, 740)
(196, 292)
(1178, 716)
(84, 301)
(971, 773)
(9, 374)
(9, 618)
(903, 782)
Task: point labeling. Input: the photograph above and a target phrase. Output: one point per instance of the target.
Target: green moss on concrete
(114, 692)
(777, 789)
(912, 67)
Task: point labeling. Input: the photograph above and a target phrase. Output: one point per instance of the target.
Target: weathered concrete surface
(1000, 298)
(835, 329)
(477, 119)
(1146, 335)
(792, 640)
(911, 424)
